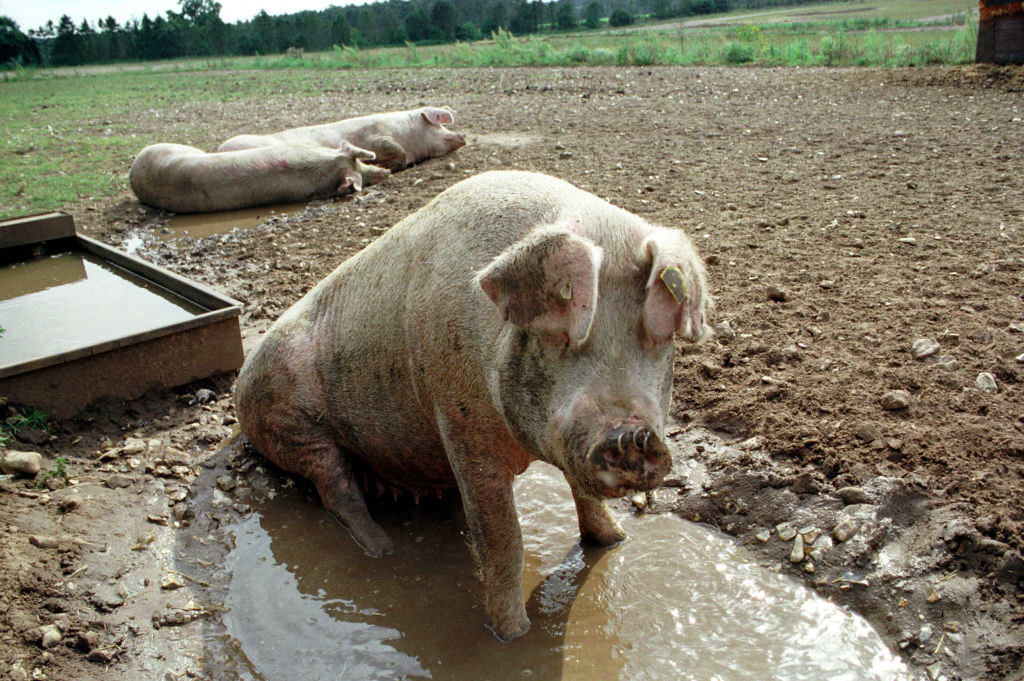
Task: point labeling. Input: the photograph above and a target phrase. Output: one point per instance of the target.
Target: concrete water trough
(82, 320)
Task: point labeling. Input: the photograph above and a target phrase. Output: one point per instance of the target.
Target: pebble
(797, 554)
(70, 502)
(43, 541)
(18, 672)
(226, 482)
(924, 347)
(934, 670)
(763, 536)
(947, 362)
(1016, 327)
(867, 431)
(909, 240)
(22, 463)
(1020, 357)
(785, 531)
(925, 634)
(853, 495)
(895, 400)
(810, 535)
(724, 331)
(133, 447)
(777, 294)
(827, 284)
(171, 581)
(204, 395)
(846, 528)
(985, 382)
(639, 500)
(118, 481)
(51, 636)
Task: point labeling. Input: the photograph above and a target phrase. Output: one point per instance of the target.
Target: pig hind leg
(311, 453)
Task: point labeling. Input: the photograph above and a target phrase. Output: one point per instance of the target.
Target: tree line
(197, 30)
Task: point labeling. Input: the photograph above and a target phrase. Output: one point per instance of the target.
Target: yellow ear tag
(565, 290)
(674, 282)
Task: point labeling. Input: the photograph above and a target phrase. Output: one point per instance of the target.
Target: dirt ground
(843, 216)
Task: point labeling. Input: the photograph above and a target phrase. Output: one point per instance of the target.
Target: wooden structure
(1000, 32)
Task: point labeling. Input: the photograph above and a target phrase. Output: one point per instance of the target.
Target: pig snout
(629, 458)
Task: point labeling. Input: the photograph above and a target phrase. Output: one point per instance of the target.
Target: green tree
(565, 15)
(620, 17)
(442, 16)
(341, 31)
(417, 25)
(15, 46)
(663, 9)
(495, 18)
(592, 15)
(67, 48)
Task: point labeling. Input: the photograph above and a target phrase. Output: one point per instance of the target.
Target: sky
(34, 13)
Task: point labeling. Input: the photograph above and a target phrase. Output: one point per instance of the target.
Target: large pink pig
(184, 179)
(513, 318)
(398, 138)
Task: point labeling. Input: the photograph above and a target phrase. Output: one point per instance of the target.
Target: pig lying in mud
(184, 179)
(514, 317)
(399, 139)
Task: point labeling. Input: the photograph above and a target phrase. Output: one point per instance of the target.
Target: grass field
(65, 140)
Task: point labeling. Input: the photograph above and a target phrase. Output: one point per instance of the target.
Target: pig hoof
(609, 536)
(375, 546)
(506, 635)
(372, 539)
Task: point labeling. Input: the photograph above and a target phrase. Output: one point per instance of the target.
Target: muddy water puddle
(57, 303)
(675, 601)
(197, 225)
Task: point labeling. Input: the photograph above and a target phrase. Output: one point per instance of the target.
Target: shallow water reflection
(675, 601)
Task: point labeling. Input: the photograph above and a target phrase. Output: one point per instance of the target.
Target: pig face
(439, 139)
(585, 374)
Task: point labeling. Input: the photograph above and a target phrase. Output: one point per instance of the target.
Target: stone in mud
(924, 347)
(22, 463)
(785, 531)
(51, 636)
(70, 502)
(846, 528)
(118, 481)
(43, 541)
(797, 554)
(867, 431)
(895, 400)
(985, 382)
(777, 294)
(171, 581)
(723, 331)
(853, 495)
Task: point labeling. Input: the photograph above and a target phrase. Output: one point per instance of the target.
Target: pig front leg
(485, 484)
(596, 522)
(390, 153)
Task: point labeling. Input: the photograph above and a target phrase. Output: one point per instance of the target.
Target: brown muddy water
(675, 601)
(57, 303)
(198, 225)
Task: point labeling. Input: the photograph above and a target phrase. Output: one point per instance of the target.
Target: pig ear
(675, 301)
(351, 179)
(547, 283)
(436, 116)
